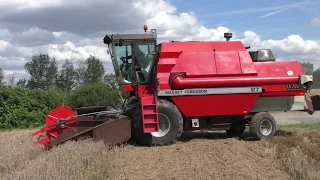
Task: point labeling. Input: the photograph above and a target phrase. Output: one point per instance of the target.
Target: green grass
(303, 125)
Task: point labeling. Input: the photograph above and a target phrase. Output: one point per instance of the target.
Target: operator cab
(133, 56)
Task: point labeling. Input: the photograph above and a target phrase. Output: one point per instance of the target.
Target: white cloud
(315, 21)
(75, 33)
(293, 44)
(33, 37)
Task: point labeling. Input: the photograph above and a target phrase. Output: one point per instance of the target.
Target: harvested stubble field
(293, 154)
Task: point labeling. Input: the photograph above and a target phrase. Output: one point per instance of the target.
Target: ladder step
(150, 123)
(149, 114)
(149, 105)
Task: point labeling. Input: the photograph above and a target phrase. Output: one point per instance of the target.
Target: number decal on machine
(255, 89)
(293, 86)
(208, 91)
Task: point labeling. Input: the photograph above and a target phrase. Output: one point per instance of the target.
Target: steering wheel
(123, 58)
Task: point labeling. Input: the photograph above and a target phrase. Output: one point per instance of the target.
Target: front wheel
(263, 126)
(170, 122)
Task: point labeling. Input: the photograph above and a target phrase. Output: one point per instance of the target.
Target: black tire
(130, 108)
(256, 124)
(237, 129)
(165, 109)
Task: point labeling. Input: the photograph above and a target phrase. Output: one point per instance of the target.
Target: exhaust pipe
(228, 36)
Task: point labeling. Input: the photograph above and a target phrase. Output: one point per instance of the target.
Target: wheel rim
(265, 127)
(164, 126)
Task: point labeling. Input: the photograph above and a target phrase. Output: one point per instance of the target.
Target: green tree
(308, 67)
(1, 76)
(43, 71)
(95, 94)
(66, 76)
(94, 70)
(111, 81)
(80, 72)
(11, 79)
(22, 83)
(90, 71)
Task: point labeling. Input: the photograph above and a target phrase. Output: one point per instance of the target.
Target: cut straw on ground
(292, 154)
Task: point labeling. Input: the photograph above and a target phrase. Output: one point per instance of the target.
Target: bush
(97, 94)
(22, 108)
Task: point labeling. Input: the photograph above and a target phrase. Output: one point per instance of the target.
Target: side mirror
(107, 40)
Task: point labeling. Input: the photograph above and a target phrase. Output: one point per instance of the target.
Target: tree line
(26, 103)
(45, 74)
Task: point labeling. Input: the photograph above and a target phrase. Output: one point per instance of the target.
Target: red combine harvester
(185, 86)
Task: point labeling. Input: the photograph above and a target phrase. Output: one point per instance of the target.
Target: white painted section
(195, 123)
(207, 91)
(282, 103)
(299, 103)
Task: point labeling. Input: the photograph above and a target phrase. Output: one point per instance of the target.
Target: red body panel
(209, 105)
(180, 82)
(185, 65)
(51, 130)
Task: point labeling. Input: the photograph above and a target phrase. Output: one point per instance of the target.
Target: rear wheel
(170, 122)
(262, 126)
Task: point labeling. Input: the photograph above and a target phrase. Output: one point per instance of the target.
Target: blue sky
(271, 19)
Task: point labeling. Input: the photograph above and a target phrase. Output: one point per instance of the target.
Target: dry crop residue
(197, 159)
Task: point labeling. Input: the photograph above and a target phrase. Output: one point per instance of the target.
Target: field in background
(292, 154)
(315, 91)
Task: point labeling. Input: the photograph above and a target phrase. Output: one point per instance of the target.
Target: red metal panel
(127, 88)
(277, 88)
(166, 64)
(228, 63)
(280, 90)
(163, 80)
(186, 47)
(60, 112)
(247, 66)
(282, 93)
(196, 64)
(174, 54)
(180, 82)
(228, 46)
(279, 68)
(211, 105)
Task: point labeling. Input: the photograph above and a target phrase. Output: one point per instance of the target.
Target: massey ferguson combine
(185, 86)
